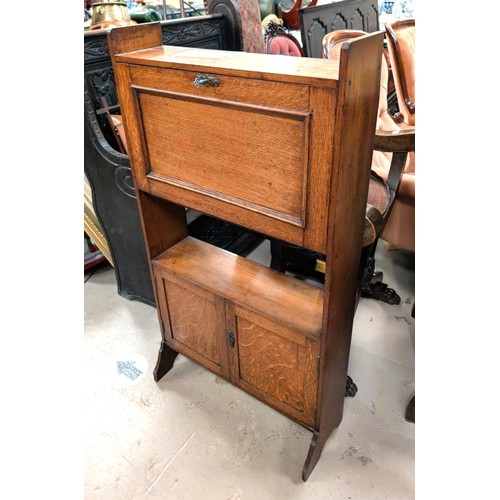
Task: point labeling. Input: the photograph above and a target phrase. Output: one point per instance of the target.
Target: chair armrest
(397, 141)
(400, 143)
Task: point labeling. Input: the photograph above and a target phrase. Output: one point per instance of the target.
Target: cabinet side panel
(355, 120)
(322, 105)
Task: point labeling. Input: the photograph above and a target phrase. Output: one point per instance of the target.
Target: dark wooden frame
(108, 170)
(316, 22)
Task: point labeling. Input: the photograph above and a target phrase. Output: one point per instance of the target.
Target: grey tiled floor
(194, 436)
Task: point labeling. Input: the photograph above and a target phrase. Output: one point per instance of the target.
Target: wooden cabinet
(277, 145)
(233, 316)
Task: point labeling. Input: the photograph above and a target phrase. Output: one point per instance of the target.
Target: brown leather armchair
(399, 228)
(391, 147)
(400, 36)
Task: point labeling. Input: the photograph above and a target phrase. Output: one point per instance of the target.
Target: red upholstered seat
(283, 46)
(278, 41)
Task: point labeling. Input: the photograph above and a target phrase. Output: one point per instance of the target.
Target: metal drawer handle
(208, 81)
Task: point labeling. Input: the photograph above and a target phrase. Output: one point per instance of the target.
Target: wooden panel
(187, 146)
(257, 175)
(264, 93)
(320, 168)
(360, 62)
(196, 323)
(278, 367)
(232, 213)
(281, 298)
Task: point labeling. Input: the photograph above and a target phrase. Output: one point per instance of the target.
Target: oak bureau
(279, 145)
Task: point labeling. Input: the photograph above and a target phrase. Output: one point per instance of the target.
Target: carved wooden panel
(316, 22)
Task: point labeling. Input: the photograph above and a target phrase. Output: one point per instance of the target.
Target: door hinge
(230, 338)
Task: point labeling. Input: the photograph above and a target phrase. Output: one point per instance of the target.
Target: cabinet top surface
(273, 67)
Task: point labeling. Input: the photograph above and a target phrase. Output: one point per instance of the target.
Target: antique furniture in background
(279, 42)
(107, 169)
(400, 37)
(97, 246)
(316, 22)
(251, 29)
(289, 10)
(297, 170)
(392, 147)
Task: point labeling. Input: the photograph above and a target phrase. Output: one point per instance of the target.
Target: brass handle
(208, 81)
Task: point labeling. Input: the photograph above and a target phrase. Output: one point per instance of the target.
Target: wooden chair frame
(397, 63)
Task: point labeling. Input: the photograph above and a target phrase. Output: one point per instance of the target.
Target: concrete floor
(194, 436)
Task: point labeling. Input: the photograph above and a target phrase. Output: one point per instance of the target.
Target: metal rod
(164, 10)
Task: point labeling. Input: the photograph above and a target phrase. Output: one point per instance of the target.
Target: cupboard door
(276, 364)
(193, 320)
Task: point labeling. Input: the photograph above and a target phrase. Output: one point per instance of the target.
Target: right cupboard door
(274, 363)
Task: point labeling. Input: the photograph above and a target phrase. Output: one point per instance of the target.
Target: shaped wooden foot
(315, 450)
(166, 358)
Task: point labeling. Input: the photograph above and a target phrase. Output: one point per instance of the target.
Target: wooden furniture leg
(317, 443)
(166, 358)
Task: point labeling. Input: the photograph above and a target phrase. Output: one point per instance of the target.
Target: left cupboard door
(194, 322)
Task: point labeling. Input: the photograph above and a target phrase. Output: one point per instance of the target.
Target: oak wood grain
(356, 112)
(271, 363)
(280, 339)
(194, 320)
(300, 70)
(240, 174)
(279, 371)
(230, 88)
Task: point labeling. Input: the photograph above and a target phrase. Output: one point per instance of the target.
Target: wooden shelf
(282, 298)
